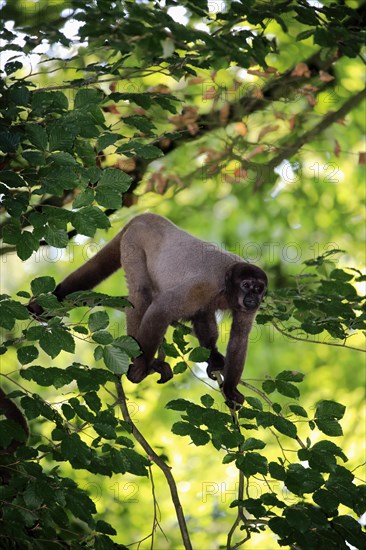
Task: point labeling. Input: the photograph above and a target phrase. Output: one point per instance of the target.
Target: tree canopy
(242, 122)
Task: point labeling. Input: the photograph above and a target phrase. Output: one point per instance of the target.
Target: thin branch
(160, 464)
(308, 136)
(312, 341)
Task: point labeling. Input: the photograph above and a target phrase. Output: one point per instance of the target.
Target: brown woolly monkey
(173, 276)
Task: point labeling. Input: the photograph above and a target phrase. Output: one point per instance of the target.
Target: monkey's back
(173, 256)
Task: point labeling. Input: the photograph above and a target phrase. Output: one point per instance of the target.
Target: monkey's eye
(244, 284)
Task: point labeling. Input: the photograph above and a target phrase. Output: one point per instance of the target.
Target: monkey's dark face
(251, 293)
(245, 287)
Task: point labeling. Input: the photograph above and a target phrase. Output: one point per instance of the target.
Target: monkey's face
(245, 287)
(251, 293)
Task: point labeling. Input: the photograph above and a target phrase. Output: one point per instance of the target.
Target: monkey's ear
(230, 276)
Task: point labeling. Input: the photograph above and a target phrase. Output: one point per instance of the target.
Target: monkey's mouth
(249, 305)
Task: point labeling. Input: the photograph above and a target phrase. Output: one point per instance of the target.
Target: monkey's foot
(161, 367)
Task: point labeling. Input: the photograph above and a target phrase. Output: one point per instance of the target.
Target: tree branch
(312, 341)
(160, 464)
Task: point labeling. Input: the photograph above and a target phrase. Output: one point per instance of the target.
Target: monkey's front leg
(235, 356)
(149, 336)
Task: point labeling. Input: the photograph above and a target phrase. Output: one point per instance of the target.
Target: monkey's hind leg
(150, 335)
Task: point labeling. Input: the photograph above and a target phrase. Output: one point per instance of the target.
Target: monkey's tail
(95, 270)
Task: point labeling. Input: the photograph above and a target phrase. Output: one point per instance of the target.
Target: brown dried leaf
(292, 122)
(301, 69)
(337, 148)
(266, 130)
(224, 113)
(210, 93)
(325, 77)
(241, 128)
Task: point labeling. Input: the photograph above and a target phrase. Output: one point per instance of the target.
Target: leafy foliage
(78, 136)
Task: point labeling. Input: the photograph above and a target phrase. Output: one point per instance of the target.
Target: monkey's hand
(233, 397)
(163, 368)
(215, 362)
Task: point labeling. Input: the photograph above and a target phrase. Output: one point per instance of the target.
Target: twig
(160, 464)
(311, 341)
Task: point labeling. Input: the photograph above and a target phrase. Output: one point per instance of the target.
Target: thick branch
(160, 464)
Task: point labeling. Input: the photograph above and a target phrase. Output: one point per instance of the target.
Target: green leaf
(9, 430)
(198, 436)
(285, 388)
(199, 355)
(350, 530)
(330, 409)
(80, 505)
(132, 461)
(80, 329)
(255, 403)
(207, 401)
(300, 480)
(42, 285)
(277, 471)
(285, 426)
(270, 499)
(104, 430)
(180, 367)
(252, 443)
(98, 321)
(116, 360)
(140, 122)
(104, 527)
(298, 410)
(56, 237)
(341, 275)
(297, 518)
(290, 376)
(269, 386)
(86, 98)
(12, 179)
(105, 140)
(10, 310)
(252, 463)
(102, 337)
(37, 135)
(27, 354)
(111, 186)
(26, 245)
(57, 339)
(128, 345)
(326, 500)
(45, 102)
(251, 505)
(47, 376)
(93, 401)
(329, 426)
(83, 199)
(170, 350)
(178, 404)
